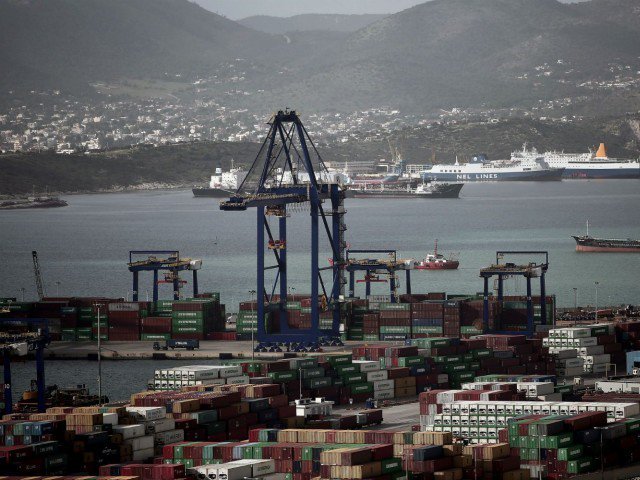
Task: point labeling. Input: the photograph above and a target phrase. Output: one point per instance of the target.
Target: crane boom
(38, 275)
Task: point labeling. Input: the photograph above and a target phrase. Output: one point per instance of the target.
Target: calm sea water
(85, 247)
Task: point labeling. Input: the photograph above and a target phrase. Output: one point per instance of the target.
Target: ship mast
(435, 250)
(587, 228)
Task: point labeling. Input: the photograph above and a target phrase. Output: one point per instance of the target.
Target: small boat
(55, 396)
(437, 261)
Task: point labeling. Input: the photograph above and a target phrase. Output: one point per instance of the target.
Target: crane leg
(8, 401)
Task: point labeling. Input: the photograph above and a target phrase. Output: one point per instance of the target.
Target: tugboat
(437, 261)
(78, 396)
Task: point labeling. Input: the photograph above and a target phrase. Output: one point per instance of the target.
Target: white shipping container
(626, 410)
(147, 413)
(550, 397)
(169, 436)
(259, 467)
(379, 375)
(142, 455)
(124, 307)
(367, 365)
(233, 471)
(596, 359)
(600, 368)
(593, 350)
(241, 380)
(229, 371)
(203, 472)
(161, 425)
(109, 418)
(585, 342)
(570, 362)
(383, 394)
(129, 431)
(570, 371)
(383, 385)
(140, 443)
(567, 352)
(578, 332)
(535, 388)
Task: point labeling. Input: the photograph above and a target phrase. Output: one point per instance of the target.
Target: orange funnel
(601, 153)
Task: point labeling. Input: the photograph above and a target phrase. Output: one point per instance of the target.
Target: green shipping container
(353, 378)
(391, 465)
(344, 369)
(570, 453)
(362, 388)
(339, 359)
(149, 337)
(68, 334)
(581, 465)
(410, 361)
(384, 306)
(283, 376)
(557, 441)
(317, 382)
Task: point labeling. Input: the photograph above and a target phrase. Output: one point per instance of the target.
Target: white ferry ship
(585, 165)
(482, 170)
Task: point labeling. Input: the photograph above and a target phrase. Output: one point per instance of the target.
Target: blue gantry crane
(168, 261)
(530, 270)
(20, 344)
(287, 174)
(388, 265)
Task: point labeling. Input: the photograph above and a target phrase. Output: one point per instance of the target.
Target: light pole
(300, 375)
(575, 298)
(57, 288)
(99, 360)
(596, 284)
(253, 350)
(601, 459)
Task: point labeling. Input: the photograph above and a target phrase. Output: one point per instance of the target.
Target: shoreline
(143, 350)
(143, 187)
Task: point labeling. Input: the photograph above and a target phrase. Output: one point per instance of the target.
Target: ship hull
(601, 173)
(588, 244)
(443, 191)
(211, 192)
(535, 176)
(449, 265)
(586, 248)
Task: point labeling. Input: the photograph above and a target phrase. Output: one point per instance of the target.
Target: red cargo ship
(437, 261)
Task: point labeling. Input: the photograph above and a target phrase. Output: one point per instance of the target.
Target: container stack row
(481, 420)
(589, 349)
(83, 318)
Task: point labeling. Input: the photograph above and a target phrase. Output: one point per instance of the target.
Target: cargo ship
(422, 190)
(589, 165)
(222, 184)
(437, 261)
(586, 243)
(589, 244)
(480, 169)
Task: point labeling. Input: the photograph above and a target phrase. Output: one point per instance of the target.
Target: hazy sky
(237, 9)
